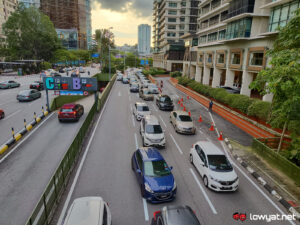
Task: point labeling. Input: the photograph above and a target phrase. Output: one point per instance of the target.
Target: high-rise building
(28, 3)
(171, 20)
(229, 48)
(71, 19)
(144, 36)
(7, 7)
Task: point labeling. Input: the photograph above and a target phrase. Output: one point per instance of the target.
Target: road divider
(16, 137)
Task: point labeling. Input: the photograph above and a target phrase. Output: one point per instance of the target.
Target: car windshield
(142, 108)
(135, 85)
(185, 118)
(156, 168)
(5, 82)
(219, 163)
(152, 86)
(165, 99)
(66, 110)
(146, 92)
(153, 129)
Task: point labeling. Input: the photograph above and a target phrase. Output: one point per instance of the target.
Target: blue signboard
(95, 55)
(70, 92)
(142, 62)
(70, 84)
(147, 62)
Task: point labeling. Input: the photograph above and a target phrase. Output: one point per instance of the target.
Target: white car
(140, 110)
(214, 167)
(153, 88)
(145, 83)
(90, 211)
(151, 132)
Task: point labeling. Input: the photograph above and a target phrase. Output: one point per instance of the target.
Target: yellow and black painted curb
(22, 132)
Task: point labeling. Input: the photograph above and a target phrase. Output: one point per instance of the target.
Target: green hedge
(154, 71)
(243, 103)
(176, 74)
(59, 101)
(103, 76)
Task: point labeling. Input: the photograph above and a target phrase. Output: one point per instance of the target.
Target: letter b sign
(76, 83)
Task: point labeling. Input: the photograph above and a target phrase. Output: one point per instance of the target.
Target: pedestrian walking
(89, 73)
(211, 105)
(161, 84)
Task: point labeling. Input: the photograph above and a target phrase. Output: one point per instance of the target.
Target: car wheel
(142, 191)
(59, 120)
(205, 181)
(2, 115)
(191, 159)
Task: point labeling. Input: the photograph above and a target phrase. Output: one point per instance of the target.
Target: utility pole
(109, 62)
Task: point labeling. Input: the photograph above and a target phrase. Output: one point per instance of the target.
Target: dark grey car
(175, 215)
(28, 95)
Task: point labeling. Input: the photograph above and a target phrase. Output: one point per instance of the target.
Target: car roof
(87, 209)
(182, 113)
(141, 103)
(69, 106)
(150, 154)
(151, 119)
(180, 215)
(209, 148)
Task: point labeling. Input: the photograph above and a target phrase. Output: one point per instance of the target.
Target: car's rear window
(156, 168)
(142, 108)
(25, 92)
(181, 217)
(165, 99)
(66, 110)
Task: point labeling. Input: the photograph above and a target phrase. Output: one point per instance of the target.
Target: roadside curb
(260, 180)
(27, 128)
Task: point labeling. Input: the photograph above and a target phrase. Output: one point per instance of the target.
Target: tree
(30, 35)
(105, 40)
(282, 79)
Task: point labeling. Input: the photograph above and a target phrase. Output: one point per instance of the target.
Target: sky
(124, 16)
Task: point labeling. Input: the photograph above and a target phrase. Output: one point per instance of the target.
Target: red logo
(239, 216)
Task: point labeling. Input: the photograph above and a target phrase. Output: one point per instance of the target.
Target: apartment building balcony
(243, 15)
(274, 3)
(212, 28)
(213, 12)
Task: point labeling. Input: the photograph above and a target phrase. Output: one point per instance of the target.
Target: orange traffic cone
(182, 99)
(184, 109)
(181, 104)
(188, 97)
(200, 119)
(189, 113)
(220, 138)
(211, 127)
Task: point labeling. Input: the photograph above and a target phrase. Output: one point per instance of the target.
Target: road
(106, 169)
(26, 171)
(15, 111)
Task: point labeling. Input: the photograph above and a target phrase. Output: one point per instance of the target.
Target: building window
(180, 34)
(172, 20)
(182, 12)
(209, 58)
(214, 20)
(172, 27)
(201, 58)
(181, 26)
(204, 24)
(202, 39)
(224, 15)
(221, 58)
(238, 7)
(205, 9)
(182, 19)
(172, 12)
(215, 4)
(171, 34)
(239, 29)
(282, 14)
(236, 58)
(256, 59)
(212, 37)
(173, 4)
(222, 34)
(183, 3)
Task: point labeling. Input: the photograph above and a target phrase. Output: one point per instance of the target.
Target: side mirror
(171, 167)
(138, 171)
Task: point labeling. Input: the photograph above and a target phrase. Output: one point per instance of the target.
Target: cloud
(142, 8)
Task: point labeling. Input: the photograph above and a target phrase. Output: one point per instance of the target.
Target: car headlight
(174, 186)
(147, 188)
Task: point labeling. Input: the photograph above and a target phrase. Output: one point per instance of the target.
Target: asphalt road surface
(106, 169)
(26, 171)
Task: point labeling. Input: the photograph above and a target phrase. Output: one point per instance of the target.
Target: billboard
(70, 84)
(95, 55)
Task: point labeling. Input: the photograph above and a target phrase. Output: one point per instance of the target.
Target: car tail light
(59, 113)
(38, 86)
(74, 112)
(155, 214)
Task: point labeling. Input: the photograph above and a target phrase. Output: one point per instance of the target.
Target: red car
(2, 114)
(70, 112)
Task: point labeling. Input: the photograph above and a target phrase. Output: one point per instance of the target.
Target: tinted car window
(139, 160)
(156, 168)
(184, 118)
(25, 92)
(142, 108)
(66, 110)
(165, 99)
(153, 129)
(182, 216)
(146, 92)
(219, 163)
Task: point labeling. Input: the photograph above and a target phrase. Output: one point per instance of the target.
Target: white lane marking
(136, 141)
(212, 119)
(131, 107)
(176, 144)
(201, 131)
(30, 133)
(12, 114)
(119, 94)
(146, 210)
(63, 212)
(128, 91)
(176, 96)
(204, 193)
(133, 122)
(162, 120)
(154, 107)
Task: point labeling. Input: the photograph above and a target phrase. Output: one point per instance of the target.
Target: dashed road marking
(180, 151)
(133, 122)
(146, 210)
(162, 120)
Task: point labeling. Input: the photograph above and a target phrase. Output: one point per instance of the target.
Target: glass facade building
(28, 3)
(68, 37)
(238, 7)
(239, 28)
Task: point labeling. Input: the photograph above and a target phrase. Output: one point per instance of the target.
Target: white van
(89, 211)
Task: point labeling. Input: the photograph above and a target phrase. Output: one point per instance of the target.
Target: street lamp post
(109, 62)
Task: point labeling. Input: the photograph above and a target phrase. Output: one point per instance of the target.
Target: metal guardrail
(45, 208)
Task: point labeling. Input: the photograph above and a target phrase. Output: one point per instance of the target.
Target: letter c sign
(50, 83)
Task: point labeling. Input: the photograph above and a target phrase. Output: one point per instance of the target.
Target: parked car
(175, 215)
(28, 95)
(214, 167)
(9, 84)
(151, 132)
(182, 122)
(231, 90)
(38, 85)
(2, 114)
(140, 110)
(134, 87)
(88, 211)
(154, 176)
(146, 95)
(55, 74)
(153, 88)
(145, 83)
(61, 70)
(164, 102)
(70, 112)
(8, 70)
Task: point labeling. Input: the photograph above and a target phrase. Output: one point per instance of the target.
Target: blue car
(156, 181)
